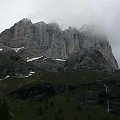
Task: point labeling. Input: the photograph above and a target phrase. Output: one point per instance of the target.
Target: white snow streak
(60, 60)
(17, 49)
(32, 59)
(26, 76)
(5, 77)
(1, 49)
(44, 58)
(30, 74)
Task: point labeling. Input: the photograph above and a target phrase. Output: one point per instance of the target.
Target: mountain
(41, 39)
(50, 74)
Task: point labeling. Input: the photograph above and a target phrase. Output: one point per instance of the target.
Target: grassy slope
(72, 78)
(75, 78)
(26, 110)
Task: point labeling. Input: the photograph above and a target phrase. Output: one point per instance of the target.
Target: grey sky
(105, 13)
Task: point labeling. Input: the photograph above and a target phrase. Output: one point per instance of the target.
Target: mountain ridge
(42, 39)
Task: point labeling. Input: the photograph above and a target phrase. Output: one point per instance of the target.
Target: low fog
(104, 13)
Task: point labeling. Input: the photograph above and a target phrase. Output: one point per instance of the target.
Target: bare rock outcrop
(42, 39)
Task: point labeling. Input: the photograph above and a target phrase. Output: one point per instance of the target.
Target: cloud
(105, 13)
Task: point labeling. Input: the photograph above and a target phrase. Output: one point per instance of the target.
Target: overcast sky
(105, 13)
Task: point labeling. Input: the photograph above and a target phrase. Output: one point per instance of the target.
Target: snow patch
(60, 60)
(46, 58)
(5, 77)
(28, 75)
(32, 59)
(32, 72)
(25, 76)
(55, 59)
(17, 49)
(1, 49)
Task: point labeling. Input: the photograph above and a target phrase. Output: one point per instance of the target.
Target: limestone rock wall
(42, 39)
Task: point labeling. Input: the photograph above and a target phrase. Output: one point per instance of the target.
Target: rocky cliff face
(41, 39)
(91, 59)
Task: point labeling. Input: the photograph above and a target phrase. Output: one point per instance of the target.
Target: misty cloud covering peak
(104, 13)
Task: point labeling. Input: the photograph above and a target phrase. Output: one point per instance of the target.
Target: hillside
(51, 96)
